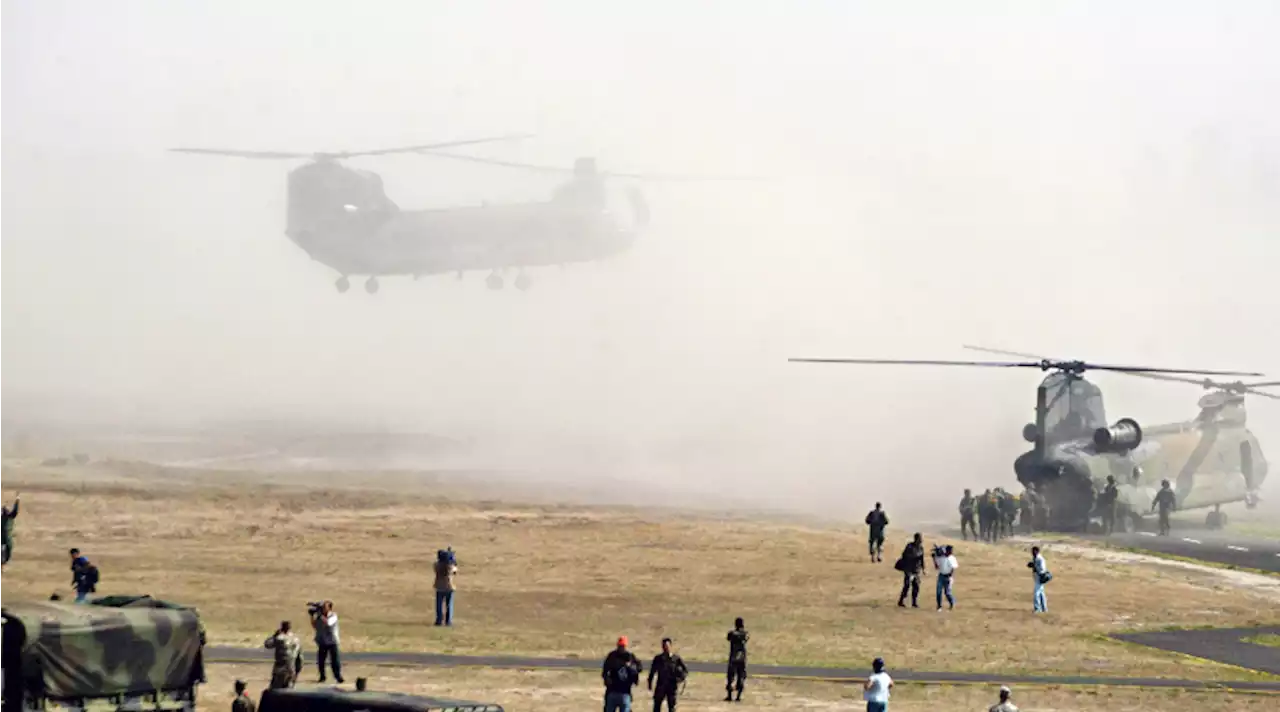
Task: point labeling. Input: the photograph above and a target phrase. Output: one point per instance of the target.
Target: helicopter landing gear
(371, 285)
(1217, 519)
(343, 284)
(523, 282)
(494, 281)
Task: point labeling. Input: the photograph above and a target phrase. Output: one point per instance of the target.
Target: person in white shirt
(1039, 604)
(876, 689)
(946, 565)
(325, 621)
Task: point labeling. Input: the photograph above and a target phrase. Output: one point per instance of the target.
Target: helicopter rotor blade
(1140, 371)
(568, 170)
(282, 155)
(912, 362)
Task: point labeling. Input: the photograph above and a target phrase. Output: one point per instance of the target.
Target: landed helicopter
(1210, 460)
(342, 218)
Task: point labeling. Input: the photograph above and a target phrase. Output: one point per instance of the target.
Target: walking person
(911, 564)
(738, 638)
(946, 565)
(877, 520)
(876, 689)
(1108, 503)
(620, 672)
(671, 673)
(325, 622)
(1040, 574)
(1004, 705)
(1168, 502)
(446, 569)
(967, 506)
(9, 516)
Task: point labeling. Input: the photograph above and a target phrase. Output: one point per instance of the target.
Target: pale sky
(1085, 179)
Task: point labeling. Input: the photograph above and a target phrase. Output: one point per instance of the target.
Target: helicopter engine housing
(1125, 435)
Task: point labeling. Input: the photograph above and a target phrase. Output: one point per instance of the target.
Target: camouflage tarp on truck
(338, 700)
(64, 651)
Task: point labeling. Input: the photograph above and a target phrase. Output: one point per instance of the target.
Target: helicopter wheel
(343, 284)
(523, 282)
(371, 285)
(1215, 520)
(494, 281)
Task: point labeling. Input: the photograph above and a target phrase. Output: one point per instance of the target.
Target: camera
(315, 608)
(939, 552)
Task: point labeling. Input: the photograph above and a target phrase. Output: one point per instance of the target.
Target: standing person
(1004, 705)
(1039, 573)
(911, 564)
(1027, 507)
(1108, 503)
(86, 579)
(288, 656)
(738, 638)
(947, 565)
(987, 515)
(877, 520)
(621, 671)
(446, 569)
(876, 689)
(325, 622)
(671, 672)
(9, 516)
(1167, 502)
(243, 702)
(967, 506)
(1008, 513)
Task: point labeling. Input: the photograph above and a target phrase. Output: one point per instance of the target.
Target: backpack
(1046, 577)
(623, 675)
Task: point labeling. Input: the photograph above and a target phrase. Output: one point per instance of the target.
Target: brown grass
(559, 691)
(566, 580)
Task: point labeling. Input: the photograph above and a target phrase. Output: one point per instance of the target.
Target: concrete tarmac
(1220, 547)
(215, 654)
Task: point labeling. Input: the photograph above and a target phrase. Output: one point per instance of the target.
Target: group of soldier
(999, 513)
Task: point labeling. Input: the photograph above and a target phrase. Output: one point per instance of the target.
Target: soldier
(1167, 502)
(1026, 506)
(1108, 503)
(911, 564)
(243, 702)
(9, 516)
(877, 520)
(738, 638)
(671, 672)
(288, 656)
(984, 515)
(1008, 512)
(1005, 705)
(967, 506)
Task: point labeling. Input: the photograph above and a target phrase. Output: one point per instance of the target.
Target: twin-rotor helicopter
(1211, 459)
(341, 217)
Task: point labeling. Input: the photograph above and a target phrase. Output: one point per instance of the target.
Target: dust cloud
(1080, 180)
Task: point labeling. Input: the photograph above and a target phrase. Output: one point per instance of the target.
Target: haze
(1076, 179)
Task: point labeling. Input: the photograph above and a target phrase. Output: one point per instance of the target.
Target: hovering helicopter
(342, 218)
(1211, 460)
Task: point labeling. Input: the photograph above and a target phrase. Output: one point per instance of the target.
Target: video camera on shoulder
(447, 556)
(315, 608)
(939, 552)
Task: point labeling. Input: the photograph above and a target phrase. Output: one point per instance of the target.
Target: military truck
(61, 657)
(338, 700)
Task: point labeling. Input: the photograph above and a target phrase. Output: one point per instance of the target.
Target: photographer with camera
(325, 622)
(945, 562)
(446, 569)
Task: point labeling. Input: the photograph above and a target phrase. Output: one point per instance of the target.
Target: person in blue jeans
(446, 569)
(1039, 604)
(876, 689)
(620, 672)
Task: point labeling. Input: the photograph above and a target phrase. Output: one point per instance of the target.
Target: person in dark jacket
(620, 672)
(9, 516)
(911, 564)
(86, 579)
(877, 520)
(738, 638)
(671, 671)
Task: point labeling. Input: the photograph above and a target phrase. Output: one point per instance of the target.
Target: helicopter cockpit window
(1073, 408)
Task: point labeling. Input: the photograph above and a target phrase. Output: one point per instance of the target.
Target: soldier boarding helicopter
(342, 218)
(1212, 460)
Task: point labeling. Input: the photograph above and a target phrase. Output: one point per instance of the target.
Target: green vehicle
(104, 657)
(338, 700)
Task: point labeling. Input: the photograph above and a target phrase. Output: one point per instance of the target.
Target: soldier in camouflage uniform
(1026, 507)
(1008, 506)
(243, 702)
(985, 507)
(967, 506)
(1108, 505)
(9, 516)
(288, 660)
(1168, 502)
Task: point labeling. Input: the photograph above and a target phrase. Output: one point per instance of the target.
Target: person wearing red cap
(621, 672)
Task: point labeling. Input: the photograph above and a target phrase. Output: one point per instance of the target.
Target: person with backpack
(911, 564)
(671, 672)
(621, 671)
(1041, 576)
(86, 579)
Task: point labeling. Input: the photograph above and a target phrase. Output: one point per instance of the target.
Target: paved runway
(1206, 545)
(1224, 645)
(258, 655)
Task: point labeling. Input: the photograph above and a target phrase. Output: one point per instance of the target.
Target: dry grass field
(565, 580)
(558, 691)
